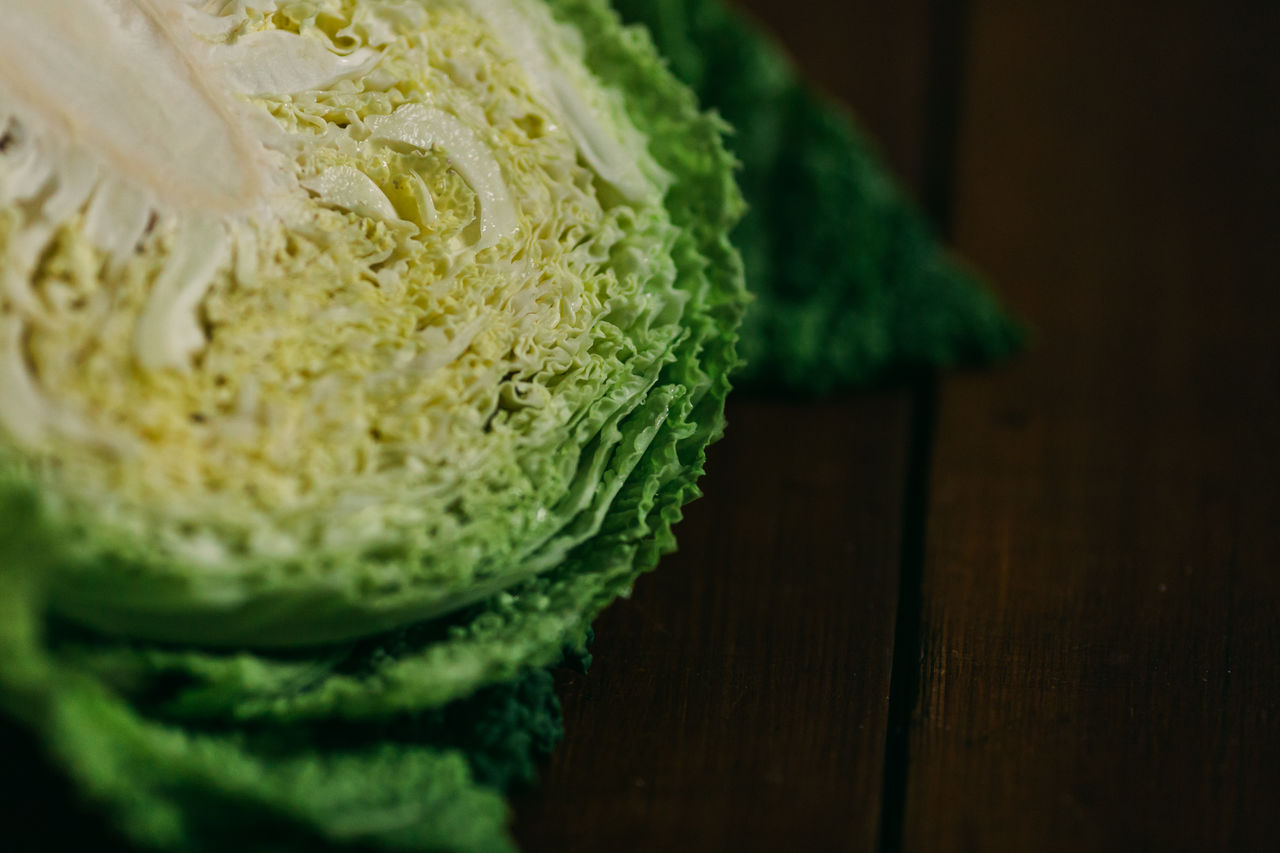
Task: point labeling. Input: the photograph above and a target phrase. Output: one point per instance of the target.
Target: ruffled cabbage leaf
(852, 287)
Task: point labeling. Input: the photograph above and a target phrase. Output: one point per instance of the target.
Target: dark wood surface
(1101, 591)
(1031, 609)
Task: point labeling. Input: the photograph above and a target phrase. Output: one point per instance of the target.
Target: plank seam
(904, 676)
(948, 39)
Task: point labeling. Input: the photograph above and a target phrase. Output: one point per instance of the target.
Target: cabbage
(353, 355)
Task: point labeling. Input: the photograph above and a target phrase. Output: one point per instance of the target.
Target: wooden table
(1031, 609)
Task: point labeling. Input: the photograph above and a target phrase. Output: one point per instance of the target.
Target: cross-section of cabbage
(317, 317)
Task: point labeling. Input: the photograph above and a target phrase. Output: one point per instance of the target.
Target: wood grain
(873, 55)
(1101, 627)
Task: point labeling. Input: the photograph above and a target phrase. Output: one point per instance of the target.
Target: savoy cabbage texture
(188, 745)
(393, 343)
(851, 286)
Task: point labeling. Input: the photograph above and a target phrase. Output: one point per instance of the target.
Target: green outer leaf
(168, 786)
(851, 285)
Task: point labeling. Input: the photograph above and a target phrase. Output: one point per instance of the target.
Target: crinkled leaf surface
(851, 285)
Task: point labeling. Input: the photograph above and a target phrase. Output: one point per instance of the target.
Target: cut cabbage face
(318, 318)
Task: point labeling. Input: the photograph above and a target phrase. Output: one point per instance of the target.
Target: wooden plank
(871, 54)
(1101, 600)
(740, 699)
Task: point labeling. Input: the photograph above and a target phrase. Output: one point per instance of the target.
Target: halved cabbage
(320, 318)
